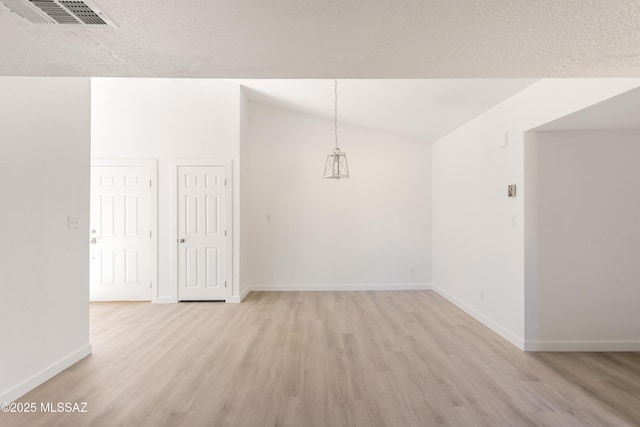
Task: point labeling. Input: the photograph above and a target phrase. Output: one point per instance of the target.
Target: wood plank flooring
(405, 358)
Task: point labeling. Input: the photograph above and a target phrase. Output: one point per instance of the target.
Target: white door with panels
(120, 233)
(202, 229)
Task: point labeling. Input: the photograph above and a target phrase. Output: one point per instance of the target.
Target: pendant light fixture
(336, 164)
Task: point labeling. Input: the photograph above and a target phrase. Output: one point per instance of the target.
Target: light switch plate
(73, 222)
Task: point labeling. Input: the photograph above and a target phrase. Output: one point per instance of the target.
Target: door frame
(152, 164)
(173, 220)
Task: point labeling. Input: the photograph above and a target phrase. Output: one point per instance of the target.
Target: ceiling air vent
(60, 12)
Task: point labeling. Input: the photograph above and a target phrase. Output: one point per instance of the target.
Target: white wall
(243, 190)
(167, 119)
(588, 235)
(44, 267)
(307, 232)
(478, 233)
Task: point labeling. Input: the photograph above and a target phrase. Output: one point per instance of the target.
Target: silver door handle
(181, 241)
(93, 241)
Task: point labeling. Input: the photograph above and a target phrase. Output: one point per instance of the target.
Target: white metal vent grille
(27, 11)
(55, 11)
(83, 12)
(60, 12)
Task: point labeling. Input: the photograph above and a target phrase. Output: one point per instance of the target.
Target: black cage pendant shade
(336, 165)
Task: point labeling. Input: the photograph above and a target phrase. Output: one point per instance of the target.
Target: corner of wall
(530, 232)
(45, 375)
(504, 332)
(238, 299)
(243, 190)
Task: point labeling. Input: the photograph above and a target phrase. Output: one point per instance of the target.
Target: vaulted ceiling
(617, 113)
(420, 109)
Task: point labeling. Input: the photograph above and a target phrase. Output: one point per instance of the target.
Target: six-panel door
(202, 247)
(120, 239)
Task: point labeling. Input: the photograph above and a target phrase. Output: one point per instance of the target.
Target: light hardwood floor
(406, 358)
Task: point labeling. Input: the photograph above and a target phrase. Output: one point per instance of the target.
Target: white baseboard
(46, 374)
(585, 345)
(238, 299)
(363, 287)
(243, 295)
(246, 292)
(285, 288)
(166, 300)
(489, 323)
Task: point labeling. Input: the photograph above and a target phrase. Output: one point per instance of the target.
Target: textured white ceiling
(356, 39)
(327, 39)
(420, 109)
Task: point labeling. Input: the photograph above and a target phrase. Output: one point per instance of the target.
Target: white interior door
(202, 245)
(120, 233)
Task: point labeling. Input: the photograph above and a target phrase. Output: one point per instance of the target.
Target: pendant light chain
(336, 166)
(335, 110)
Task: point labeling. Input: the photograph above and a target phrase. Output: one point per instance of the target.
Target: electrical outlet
(413, 271)
(482, 295)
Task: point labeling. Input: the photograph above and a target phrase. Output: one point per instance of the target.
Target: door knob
(93, 241)
(181, 240)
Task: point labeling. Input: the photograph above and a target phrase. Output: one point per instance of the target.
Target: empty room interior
(416, 213)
